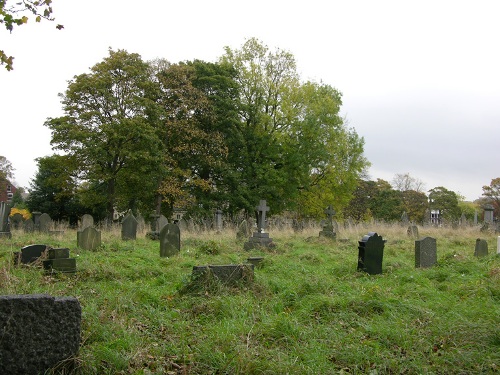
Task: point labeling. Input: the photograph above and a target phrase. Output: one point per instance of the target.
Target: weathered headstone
(161, 222)
(30, 253)
(371, 253)
(481, 249)
(412, 231)
(129, 227)
(29, 226)
(88, 239)
(260, 238)
(45, 223)
(16, 221)
(425, 252)
(38, 332)
(170, 240)
(86, 222)
(4, 220)
(243, 230)
(328, 230)
(59, 261)
(228, 274)
(218, 221)
(36, 219)
(141, 224)
(488, 213)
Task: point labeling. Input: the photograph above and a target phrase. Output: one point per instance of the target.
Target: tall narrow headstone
(170, 240)
(371, 253)
(4, 220)
(129, 227)
(218, 221)
(404, 219)
(425, 252)
(481, 249)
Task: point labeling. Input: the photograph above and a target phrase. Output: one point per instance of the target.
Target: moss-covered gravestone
(129, 227)
(170, 240)
(481, 249)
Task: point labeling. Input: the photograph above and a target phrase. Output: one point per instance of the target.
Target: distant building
(435, 219)
(7, 191)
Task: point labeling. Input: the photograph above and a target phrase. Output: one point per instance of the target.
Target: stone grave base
(328, 233)
(258, 240)
(229, 274)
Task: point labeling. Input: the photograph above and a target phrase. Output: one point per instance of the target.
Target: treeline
(154, 136)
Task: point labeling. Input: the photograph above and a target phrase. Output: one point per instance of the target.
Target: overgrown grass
(308, 310)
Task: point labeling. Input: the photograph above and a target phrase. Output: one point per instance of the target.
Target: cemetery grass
(307, 311)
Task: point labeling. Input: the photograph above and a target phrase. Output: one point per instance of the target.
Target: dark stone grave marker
(89, 238)
(425, 252)
(30, 253)
(371, 253)
(59, 261)
(481, 249)
(170, 240)
(38, 332)
(129, 227)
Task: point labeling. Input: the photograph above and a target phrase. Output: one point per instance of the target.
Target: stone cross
(262, 208)
(330, 212)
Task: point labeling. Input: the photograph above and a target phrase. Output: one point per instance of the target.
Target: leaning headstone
(371, 253)
(4, 220)
(260, 238)
(88, 239)
(59, 261)
(425, 252)
(86, 222)
(412, 231)
(45, 223)
(170, 240)
(16, 221)
(38, 332)
(30, 254)
(228, 274)
(328, 230)
(129, 227)
(481, 249)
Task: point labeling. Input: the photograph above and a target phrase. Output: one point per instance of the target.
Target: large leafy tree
(106, 128)
(445, 202)
(16, 14)
(415, 204)
(492, 193)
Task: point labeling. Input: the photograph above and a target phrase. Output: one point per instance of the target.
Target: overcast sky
(420, 79)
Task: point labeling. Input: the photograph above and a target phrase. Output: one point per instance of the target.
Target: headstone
(36, 219)
(463, 220)
(38, 332)
(183, 225)
(260, 238)
(16, 221)
(30, 253)
(371, 253)
(243, 230)
(170, 240)
(89, 238)
(59, 261)
(412, 231)
(218, 221)
(29, 226)
(161, 222)
(129, 227)
(141, 224)
(229, 274)
(86, 222)
(404, 219)
(425, 252)
(328, 230)
(488, 213)
(481, 249)
(4, 220)
(45, 223)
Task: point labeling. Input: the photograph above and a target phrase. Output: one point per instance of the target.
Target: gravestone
(371, 253)
(59, 261)
(16, 221)
(36, 219)
(4, 220)
(161, 222)
(86, 222)
(218, 221)
(44, 223)
(183, 225)
(243, 230)
(88, 239)
(170, 240)
(260, 238)
(29, 226)
(228, 274)
(481, 249)
(141, 223)
(404, 219)
(30, 254)
(38, 332)
(328, 229)
(488, 213)
(412, 231)
(129, 227)
(425, 252)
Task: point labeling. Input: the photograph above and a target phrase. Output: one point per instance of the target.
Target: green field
(308, 311)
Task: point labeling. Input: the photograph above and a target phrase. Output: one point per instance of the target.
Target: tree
(415, 204)
(106, 128)
(6, 169)
(492, 193)
(405, 182)
(445, 202)
(15, 15)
